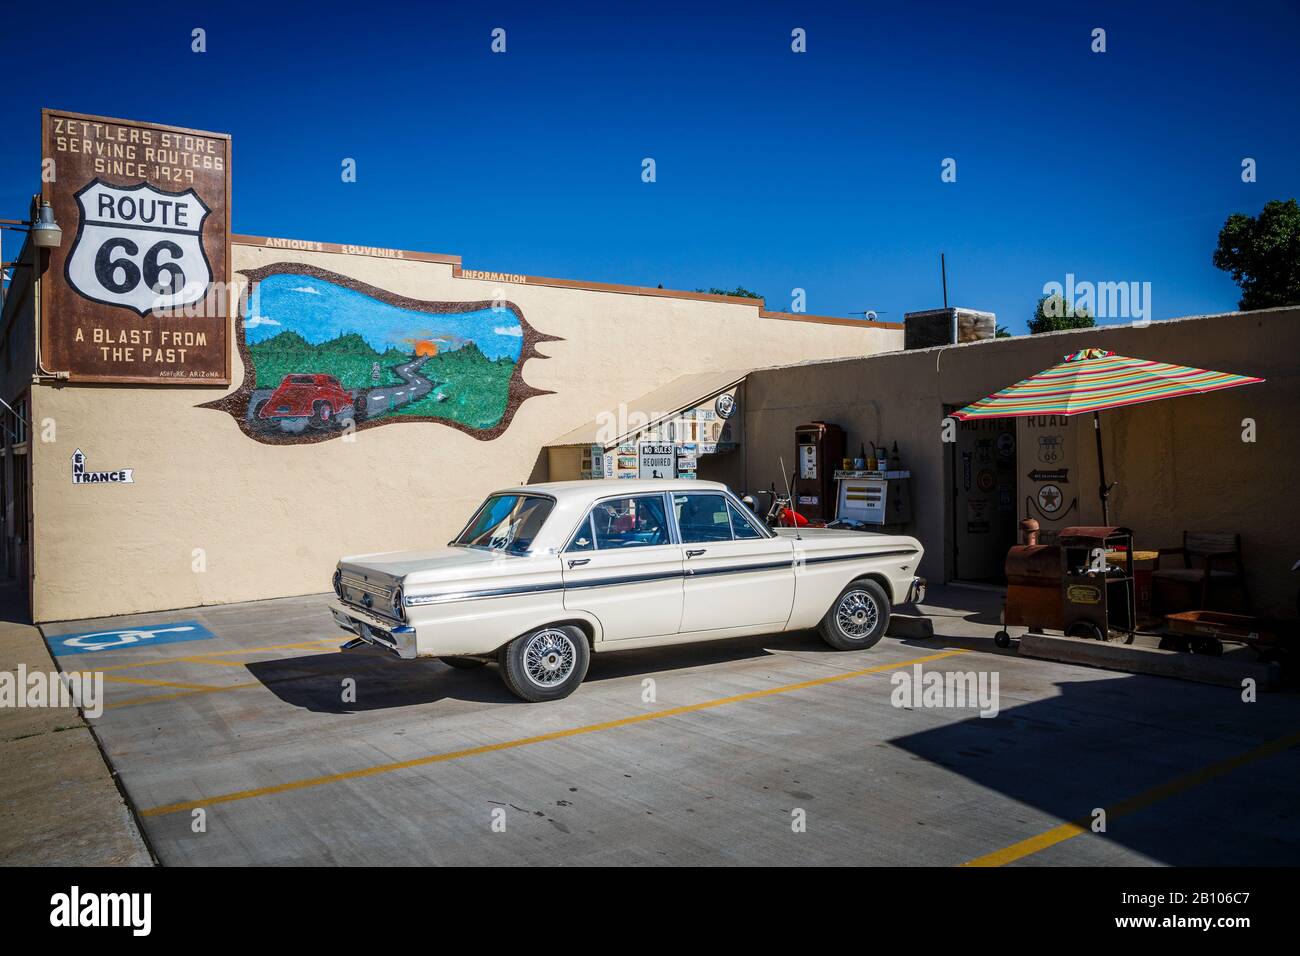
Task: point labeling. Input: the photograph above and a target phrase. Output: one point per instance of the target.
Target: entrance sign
(80, 476)
(138, 290)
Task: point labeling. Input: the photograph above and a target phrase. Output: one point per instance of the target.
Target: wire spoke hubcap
(857, 614)
(549, 658)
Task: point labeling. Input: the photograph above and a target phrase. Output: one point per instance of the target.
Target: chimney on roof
(923, 330)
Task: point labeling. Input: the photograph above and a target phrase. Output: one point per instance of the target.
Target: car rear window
(302, 380)
(507, 523)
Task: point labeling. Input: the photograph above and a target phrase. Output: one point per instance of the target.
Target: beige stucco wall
(272, 520)
(1180, 463)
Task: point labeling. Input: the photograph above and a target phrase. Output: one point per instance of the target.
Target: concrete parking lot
(264, 743)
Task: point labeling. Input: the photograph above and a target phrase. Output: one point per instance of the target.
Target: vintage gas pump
(819, 450)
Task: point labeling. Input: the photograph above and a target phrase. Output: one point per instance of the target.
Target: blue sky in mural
(319, 311)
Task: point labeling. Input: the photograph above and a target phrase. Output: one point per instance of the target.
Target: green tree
(739, 291)
(1054, 314)
(1263, 255)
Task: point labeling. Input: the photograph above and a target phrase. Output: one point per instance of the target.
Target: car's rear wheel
(546, 664)
(858, 618)
(463, 663)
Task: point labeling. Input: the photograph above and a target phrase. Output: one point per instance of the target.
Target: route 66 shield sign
(139, 247)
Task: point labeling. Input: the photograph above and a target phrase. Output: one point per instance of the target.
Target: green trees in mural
(349, 358)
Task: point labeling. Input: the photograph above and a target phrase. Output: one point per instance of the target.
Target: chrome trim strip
(624, 579)
(857, 557)
(445, 597)
(744, 568)
(349, 581)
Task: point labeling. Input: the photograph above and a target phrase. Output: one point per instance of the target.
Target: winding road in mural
(387, 398)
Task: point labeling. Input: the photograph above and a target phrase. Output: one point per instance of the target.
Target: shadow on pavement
(315, 681)
(1103, 741)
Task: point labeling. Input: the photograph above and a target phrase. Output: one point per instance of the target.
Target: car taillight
(338, 583)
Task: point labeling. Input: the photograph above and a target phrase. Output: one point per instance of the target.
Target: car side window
(632, 522)
(702, 517)
(742, 529)
(584, 539)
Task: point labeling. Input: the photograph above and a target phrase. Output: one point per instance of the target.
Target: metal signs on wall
(670, 445)
(1047, 462)
(657, 460)
(138, 289)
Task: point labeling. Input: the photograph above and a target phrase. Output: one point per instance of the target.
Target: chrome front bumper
(915, 591)
(397, 638)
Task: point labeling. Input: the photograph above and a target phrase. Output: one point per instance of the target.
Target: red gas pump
(819, 450)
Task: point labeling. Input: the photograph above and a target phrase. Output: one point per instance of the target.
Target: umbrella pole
(1104, 488)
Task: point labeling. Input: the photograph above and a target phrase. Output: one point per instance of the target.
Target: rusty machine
(1082, 585)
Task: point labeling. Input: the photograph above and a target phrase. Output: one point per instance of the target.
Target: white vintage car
(544, 575)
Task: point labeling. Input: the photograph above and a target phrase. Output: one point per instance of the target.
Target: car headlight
(397, 601)
(338, 583)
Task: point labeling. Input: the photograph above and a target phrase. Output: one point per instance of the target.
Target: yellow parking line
(203, 658)
(183, 693)
(158, 683)
(540, 738)
(1066, 831)
(215, 662)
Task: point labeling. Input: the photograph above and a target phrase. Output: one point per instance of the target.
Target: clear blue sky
(775, 170)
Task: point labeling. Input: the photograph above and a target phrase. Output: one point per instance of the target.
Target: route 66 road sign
(139, 247)
(138, 290)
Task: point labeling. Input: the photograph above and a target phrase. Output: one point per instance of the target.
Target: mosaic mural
(324, 353)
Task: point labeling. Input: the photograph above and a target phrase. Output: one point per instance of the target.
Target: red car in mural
(318, 398)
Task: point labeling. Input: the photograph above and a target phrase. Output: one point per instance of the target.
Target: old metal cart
(1071, 587)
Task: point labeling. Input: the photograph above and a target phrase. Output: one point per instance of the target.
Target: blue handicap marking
(90, 641)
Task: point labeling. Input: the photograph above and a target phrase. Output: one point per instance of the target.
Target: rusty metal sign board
(139, 289)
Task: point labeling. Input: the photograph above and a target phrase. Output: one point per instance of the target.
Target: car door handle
(578, 562)
(695, 553)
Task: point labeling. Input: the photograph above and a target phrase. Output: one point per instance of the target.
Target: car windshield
(506, 523)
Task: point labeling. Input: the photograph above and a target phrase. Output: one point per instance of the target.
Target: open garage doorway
(982, 494)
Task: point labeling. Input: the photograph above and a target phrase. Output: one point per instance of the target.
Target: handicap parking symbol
(90, 641)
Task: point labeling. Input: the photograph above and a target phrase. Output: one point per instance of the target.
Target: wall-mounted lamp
(45, 232)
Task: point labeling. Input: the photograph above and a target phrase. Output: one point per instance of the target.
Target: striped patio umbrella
(1091, 380)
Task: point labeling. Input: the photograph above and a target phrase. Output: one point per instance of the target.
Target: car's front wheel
(546, 664)
(858, 618)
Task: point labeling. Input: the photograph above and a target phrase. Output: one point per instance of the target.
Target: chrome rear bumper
(396, 638)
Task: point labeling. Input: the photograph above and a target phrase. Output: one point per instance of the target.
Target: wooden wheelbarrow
(1205, 632)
